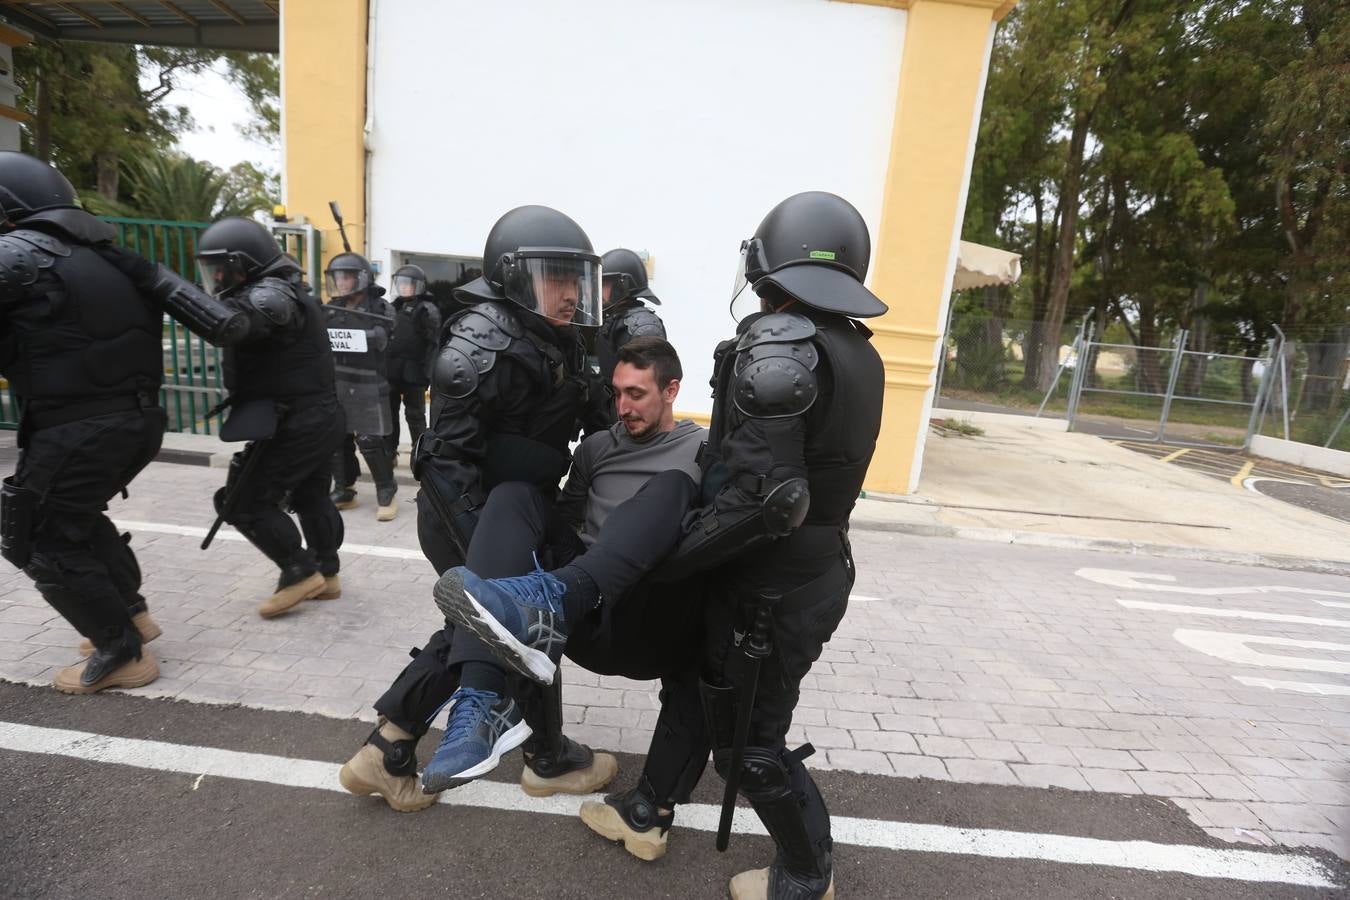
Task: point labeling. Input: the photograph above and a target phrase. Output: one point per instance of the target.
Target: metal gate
(192, 373)
(1169, 393)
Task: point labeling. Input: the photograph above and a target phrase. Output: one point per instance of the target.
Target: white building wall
(670, 126)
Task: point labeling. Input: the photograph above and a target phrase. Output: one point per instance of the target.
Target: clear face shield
(744, 301)
(341, 283)
(409, 285)
(221, 272)
(563, 286)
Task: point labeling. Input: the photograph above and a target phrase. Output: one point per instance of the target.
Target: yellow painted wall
(941, 75)
(324, 97)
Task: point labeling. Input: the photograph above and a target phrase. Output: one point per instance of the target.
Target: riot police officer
(509, 385)
(626, 313)
(796, 414)
(281, 400)
(417, 326)
(360, 321)
(80, 331)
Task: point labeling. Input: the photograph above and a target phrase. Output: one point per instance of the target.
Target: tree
(180, 188)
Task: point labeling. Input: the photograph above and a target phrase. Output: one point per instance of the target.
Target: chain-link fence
(985, 362)
(1309, 401)
(1291, 389)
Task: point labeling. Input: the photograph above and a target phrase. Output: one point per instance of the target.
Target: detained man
(633, 483)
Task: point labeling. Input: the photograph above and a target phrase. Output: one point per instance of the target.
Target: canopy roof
(217, 24)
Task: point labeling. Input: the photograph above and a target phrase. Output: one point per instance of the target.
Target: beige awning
(979, 266)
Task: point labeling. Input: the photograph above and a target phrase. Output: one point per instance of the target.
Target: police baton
(232, 498)
(756, 643)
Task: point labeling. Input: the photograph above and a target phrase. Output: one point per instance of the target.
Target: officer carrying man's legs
(80, 327)
(508, 388)
(281, 400)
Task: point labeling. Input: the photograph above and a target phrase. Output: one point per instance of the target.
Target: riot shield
(359, 368)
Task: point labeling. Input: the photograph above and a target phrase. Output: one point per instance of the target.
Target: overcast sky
(221, 111)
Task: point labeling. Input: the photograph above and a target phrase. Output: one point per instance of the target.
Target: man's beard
(641, 434)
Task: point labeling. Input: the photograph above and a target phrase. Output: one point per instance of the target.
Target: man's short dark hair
(651, 351)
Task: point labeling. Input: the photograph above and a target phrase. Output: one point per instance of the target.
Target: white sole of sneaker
(456, 603)
(512, 738)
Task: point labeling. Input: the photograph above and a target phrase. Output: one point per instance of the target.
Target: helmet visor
(409, 285)
(618, 287)
(345, 282)
(563, 286)
(743, 302)
(221, 273)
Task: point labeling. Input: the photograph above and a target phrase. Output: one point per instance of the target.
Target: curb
(1107, 545)
(219, 460)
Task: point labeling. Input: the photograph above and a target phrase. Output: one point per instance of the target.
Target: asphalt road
(79, 828)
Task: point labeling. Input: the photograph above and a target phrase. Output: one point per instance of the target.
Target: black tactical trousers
(653, 633)
(414, 400)
(295, 467)
(813, 570)
(79, 562)
(379, 460)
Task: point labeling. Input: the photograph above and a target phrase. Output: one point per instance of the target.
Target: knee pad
(764, 775)
(218, 500)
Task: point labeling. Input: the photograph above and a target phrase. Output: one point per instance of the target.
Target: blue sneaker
(520, 619)
(482, 728)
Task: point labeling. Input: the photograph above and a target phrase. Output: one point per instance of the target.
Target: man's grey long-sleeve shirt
(609, 467)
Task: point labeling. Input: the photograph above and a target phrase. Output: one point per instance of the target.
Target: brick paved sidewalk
(963, 661)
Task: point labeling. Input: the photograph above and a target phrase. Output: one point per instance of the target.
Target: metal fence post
(1258, 416)
(1172, 383)
(1284, 379)
(1076, 382)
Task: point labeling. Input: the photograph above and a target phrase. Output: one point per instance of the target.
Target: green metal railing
(193, 380)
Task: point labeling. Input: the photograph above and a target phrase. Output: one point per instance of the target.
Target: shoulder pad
(641, 321)
(778, 328)
(454, 374)
(804, 352)
(42, 241)
(20, 263)
(502, 316)
(273, 298)
(474, 327)
(774, 388)
(482, 359)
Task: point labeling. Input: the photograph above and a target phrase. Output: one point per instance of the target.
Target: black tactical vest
(76, 329)
(292, 365)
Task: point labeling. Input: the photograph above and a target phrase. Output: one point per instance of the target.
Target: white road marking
(1187, 609)
(1146, 581)
(1302, 687)
(1147, 856)
(227, 533)
(1233, 648)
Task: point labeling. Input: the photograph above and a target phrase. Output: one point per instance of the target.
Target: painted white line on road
(1234, 613)
(229, 534)
(1302, 687)
(1233, 648)
(1148, 856)
(1148, 581)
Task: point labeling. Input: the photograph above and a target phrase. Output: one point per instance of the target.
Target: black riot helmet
(412, 278)
(347, 275)
(29, 185)
(235, 251)
(625, 277)
(541, 260)
(813, 247)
